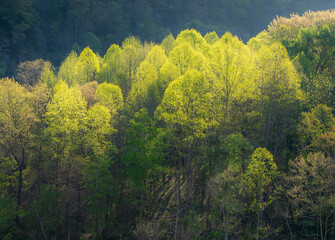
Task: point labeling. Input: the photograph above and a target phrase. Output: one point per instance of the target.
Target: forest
(200, 136)
(50, 29)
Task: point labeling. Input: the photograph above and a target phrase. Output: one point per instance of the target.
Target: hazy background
(49, 29)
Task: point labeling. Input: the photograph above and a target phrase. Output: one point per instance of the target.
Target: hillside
(197, 137)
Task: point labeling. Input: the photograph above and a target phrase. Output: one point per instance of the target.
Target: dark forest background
(50, 29)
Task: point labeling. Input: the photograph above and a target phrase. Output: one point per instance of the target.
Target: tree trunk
(178, 198)
(188, 189)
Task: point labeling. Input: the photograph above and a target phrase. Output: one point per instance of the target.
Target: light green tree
(188, 107)
(181, 58)
(167, 43)
(48, 76)
(211, 38)
(195, 39)
(133, 53)
(111, 65)
(87, 66)
(110, 96)
(313, 125)
(67, 71)
(66, 118)
(231, 61)
(260, 188)
(145, 89)
(17, 119)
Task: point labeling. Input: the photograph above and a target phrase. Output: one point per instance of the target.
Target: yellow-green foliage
(98, 125)
(275, 76)
(259, 185)
(16, 114)
(144, 91)
(110, 96)
(211, 38)
(66, 112)
(48, 76)
(283, 27)
(110, 65)
(67, 71)
(167, 43)
(87, 66)
(187, 104)
(195, 39)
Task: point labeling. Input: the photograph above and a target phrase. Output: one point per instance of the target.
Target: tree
(224, 191)
(260, 188)
(96, 173)
(314, 123)
(67, 69)
(211, 38)
(87, 66)
(237, 150)
(277, 95)
(167, 43)
(145, 89)
(311, 191)
(66, 116)
(188, 108)
(29, 72)
(142, 161)
(230, 63)
(88, 91)
(9, 211)
(19, 26)
(90, 40)
(181, 58)
(17, 119)
(48, 76)
(111, 68)
(193, 38)
(110, 96)
(133, 53)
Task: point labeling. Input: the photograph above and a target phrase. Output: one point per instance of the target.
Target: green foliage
(167, 43)
(156, 141)
(187, 104)
(314, 123)
(224, 191)
(8, 212)
(237, 150)
(230, 62)
(66, 112)
(111, 68)
(193, 38)
(145, 91)
(211, 38)
(8, 174)
(48, 76)
(142, 159)
(89, 39)
(110, 96)
(87, 66)
(98, 125)
(29, 72)
(67, 69)
(277, 94)
(259, 181)
(310, 185)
